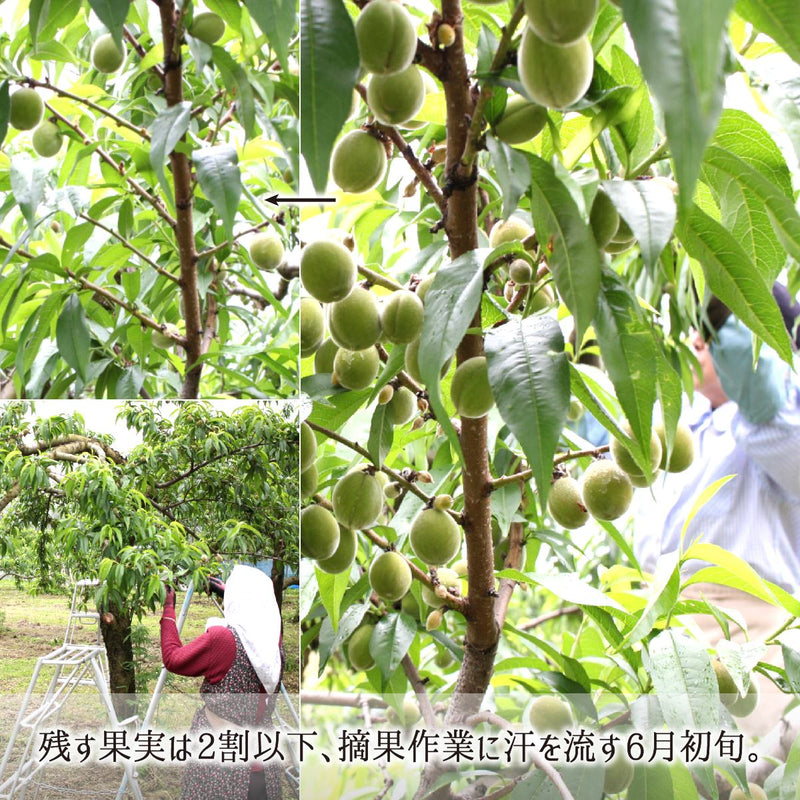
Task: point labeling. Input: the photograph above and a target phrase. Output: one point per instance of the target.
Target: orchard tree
(204, 487)
(143, 251)
(529, 190)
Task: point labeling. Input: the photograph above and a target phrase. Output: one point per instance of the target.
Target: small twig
(659, 154)
(500, 56)
(212, 251)
(550, 615)
(157, 267)
(141, 50)
(421, 692)
(513, 561)
(395, 476)
(377, 279)
(527, 474)
(129, 307)
(118, 167)
(121, 121)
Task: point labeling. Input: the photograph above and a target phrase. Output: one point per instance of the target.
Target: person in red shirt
(239, 658)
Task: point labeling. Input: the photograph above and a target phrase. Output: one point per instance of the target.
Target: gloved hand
(169, 603)
(215, 586)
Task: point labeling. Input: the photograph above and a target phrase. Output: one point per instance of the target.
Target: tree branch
(203, 464)
(121, 121)
(172, 31)
(129, 307)
(396, 476)
(421, 692)
(118, 167)
(526, 474)
(157, 267)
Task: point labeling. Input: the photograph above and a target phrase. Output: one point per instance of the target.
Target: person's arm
(210, 654)
(761, 393)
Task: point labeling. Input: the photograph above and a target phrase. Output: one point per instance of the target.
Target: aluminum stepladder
(73, 664)
(292, 772)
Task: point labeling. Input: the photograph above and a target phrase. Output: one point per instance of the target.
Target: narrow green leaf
(567, 241)
(112, 13)
(331, 592)
(702, 499)
(740, 575)
(276, 20)
(166, 131)
(639, 133)
(450, 307)
(72, 336)
(513, 173)
(129, 383)
(328, 73)
(734, 279)
(780, 208)
(220, 180)
(630, 357)
(390, 641)
(681, 50)
(777, 18)
(38, 13)
(5, 109)
(569, 587)
(233, 73)
(790, 782)
(649, 209)
(381, 433)
(686, 687)
(663, 596)
(27, 185)
(790, 645)
(652, 781)
(529, 378)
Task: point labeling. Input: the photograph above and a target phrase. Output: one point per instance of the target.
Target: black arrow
(274, 199)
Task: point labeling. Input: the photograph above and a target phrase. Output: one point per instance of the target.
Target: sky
(101, 416)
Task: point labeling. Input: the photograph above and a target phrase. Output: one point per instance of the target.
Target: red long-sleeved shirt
(210, 654)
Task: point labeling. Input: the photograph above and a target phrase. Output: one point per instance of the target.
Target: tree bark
(461, 227)
(172, 28)
(278, 571)
(116, 635)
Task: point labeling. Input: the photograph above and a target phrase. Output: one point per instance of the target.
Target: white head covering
(251, 608)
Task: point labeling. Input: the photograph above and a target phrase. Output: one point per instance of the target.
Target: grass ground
(33, 625)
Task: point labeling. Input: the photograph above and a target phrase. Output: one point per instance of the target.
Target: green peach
(560, 22)
(327, 270)
(566, 505)
(469, 390)
(402, 317)
(324, 357)
(390, 576)
(403, 405)
(312, 326)
(607, 491)
(512, 229)
(106, 55)
(386, 36)
(47, 139)
(521, 121)
(358, 162)
(266, 250)
(357, 499)
(356, 369)
(435, 537)
(447, 578)
(358, 648)
(355, 322)
(555, 76)
(319, 532)
(25, 110)
(396, 98)
(208, 27)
